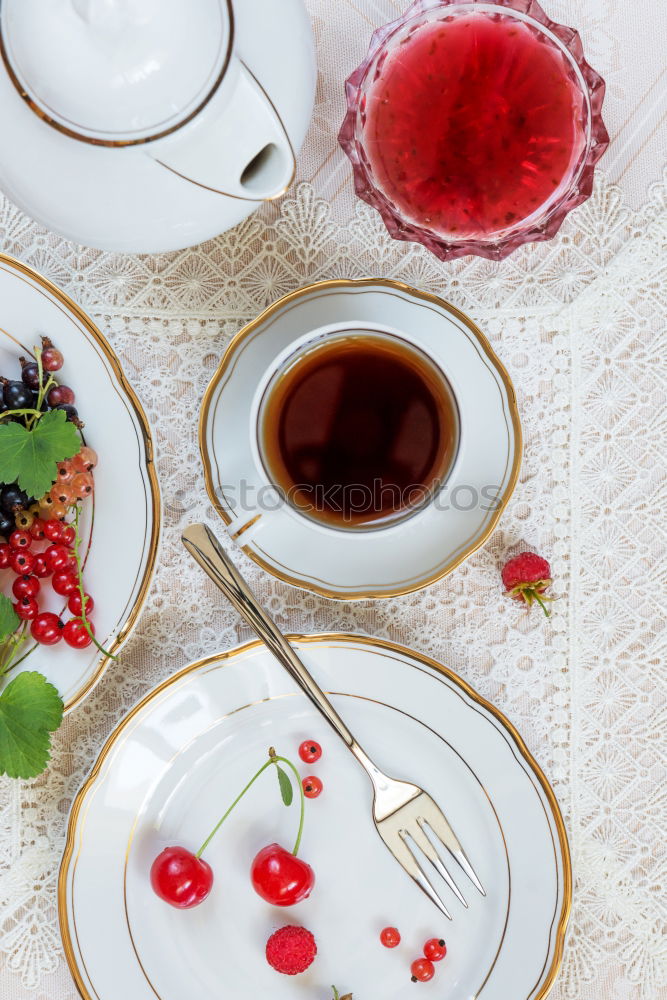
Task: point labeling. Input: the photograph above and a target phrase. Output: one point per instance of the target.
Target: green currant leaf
(9, 620)
(30, 710)
(31, 457)
(285, 786)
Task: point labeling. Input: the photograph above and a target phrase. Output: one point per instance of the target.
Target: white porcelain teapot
(182, 97)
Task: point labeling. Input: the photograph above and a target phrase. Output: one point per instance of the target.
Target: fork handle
(205, 548)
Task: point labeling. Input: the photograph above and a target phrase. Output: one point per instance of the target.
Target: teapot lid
(116, 72)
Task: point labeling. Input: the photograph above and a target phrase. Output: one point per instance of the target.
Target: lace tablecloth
(578, 324)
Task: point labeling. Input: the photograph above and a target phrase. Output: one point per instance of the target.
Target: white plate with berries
(75, 460)
(184, 874)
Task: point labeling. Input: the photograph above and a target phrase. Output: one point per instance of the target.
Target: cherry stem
(273, 759)
(79, 575)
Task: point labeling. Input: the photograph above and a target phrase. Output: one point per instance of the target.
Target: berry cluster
(422, 969)
(310, 752)
(40, 549)
(39, 542)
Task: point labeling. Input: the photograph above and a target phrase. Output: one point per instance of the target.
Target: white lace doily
(578, 322)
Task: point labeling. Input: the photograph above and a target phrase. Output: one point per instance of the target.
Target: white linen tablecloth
(579, 322)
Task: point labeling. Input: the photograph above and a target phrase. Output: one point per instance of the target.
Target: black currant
(7, 525)
(17, 396)
(60, 394)
(30, 373)
(71, 411)
(12, 499)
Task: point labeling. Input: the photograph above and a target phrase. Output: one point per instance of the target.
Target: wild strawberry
(526, 577)
(291, 950)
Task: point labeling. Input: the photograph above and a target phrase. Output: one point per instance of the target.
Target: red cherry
(74, 603)
(5, 555)
(422, 970)
(280, 878)
(25, 586)
(64, 582)
(180, 878)
(57, 557)
(38, 529)
(27, 609)
(40, 568)
(22, 561)
(47, 629)
(53, 530)
(435, 949)
(20, 539)
(310, 751)
(390, 937)
(312, 787)
(68, 536)
(76, 634)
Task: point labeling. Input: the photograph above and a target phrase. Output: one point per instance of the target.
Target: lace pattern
(577, 321)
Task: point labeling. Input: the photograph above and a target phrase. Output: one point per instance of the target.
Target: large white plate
(398, 558)
(181, 755)
(122, 523)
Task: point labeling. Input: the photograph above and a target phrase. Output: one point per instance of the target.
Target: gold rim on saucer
(225, 365)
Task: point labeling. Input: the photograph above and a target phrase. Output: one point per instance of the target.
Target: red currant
(312, 787)
(52, 359)
(435, 949)
(47, 629)
(40, 567)
(310, 751)
(69, 536)
(64, 582)
(65, 472)
(27, 608)
(6, 553)
(422, 970)
(24, 520)
(76, 634)
(22, 561)
(53, 530)
(280, 878)
(74, 603)
(390, 937)
(25, 586)
(82, 485)
(38, 529)
(57, 557)
(180, 878)
(85, 460)
(62, 493)
(20, 539)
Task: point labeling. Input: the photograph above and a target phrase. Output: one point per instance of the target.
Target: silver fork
(405, 815)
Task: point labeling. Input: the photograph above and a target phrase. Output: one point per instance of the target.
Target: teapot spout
(239, 147)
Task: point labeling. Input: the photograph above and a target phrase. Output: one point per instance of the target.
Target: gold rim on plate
(352, 284)
(69, 307)
(342, 637)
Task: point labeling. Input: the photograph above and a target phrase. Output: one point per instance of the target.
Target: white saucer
(121, 550)
(176, 761)
(381, 562)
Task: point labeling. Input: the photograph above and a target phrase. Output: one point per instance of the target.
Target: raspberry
(291, 950)
(526, 577)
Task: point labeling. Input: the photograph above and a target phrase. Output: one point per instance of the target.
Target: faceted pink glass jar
(474, 126)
